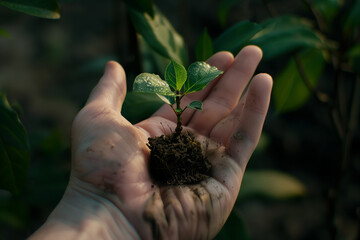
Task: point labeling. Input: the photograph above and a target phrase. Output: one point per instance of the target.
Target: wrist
(83, 214)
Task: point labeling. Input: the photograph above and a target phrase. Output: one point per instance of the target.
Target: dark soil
(177, 159)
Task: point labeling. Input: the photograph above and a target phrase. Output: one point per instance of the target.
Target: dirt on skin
(177, 159)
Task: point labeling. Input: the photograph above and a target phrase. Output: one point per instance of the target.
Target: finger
(156, 126)
(222, 132)
(226, 94)
(249, 119)
(221, 60)
(111, 89)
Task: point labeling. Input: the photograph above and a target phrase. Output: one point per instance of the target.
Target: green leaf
(139, 106)
(142, 6)
(353, 18)
(204, 47)
(290, 91)
(234, 228)
(167, 99)
(151, 61)
(14, 149)
(270, 184)
(327, 9)
(14, 213)
(4, 33)
(38, 8)
(151, 83)
(175, 75)
(354, 57)
(236, 37)
(200, 74)
(284, 35)
(160, 35)
(197, 105)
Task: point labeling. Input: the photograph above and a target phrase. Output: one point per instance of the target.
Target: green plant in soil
(177, 158)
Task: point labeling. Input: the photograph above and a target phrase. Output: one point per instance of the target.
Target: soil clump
(177, 159)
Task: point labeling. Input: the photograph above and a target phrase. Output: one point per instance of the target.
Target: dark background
(48, 68)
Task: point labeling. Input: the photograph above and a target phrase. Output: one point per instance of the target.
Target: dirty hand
(111, 195)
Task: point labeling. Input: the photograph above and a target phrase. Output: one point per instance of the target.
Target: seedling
(178, 83)
(177, 158)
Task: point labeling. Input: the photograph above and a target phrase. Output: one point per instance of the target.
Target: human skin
(110, 194)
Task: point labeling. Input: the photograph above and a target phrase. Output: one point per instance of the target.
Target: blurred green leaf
(236, 37)
(151, 83)
(142, 6)
(175, 75)
(327, 9)
(14, 213)
(4, 33)
(270, 184)
(354, 57)
(139, 106)
(353, 19)
(234, 228)
(50, 143)
(284, 35)
(290, 91)
(14, 149)
(48, 178)
(263, 143)
(151, 60)
(160, 35)
(199, 75)
(204, 47)
(38, 8)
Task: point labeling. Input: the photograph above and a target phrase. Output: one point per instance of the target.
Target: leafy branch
(326, 13)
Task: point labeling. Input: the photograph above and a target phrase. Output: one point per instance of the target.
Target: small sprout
(197, 105)
(178, 83)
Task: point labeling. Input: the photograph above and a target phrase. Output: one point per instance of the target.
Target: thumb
(111, 89)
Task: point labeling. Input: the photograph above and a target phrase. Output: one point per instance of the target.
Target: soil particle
(89, 149)
(238, 136)
(177, 160)
(196, 192)
(107, 186)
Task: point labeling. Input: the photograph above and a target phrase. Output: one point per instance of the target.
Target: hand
(110, 192)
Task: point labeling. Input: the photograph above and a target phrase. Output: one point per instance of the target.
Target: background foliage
(303, 180)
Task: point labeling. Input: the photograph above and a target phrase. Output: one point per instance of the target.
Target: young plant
(178, 83)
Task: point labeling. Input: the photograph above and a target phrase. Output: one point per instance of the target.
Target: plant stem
(178, 114)
(318, 17)
(320, 96)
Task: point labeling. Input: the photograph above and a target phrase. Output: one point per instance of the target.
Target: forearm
(84, 215)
